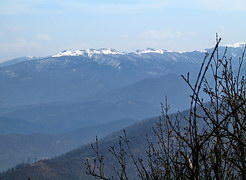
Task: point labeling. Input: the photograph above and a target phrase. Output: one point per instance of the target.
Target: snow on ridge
(162, 51)
(109, 51)
(106, 51)
(150, 50)
(201, 51)
(236, 45)
(68, 53)
(89, 52)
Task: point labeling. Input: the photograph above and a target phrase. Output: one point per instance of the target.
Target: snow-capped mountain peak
(150, 50)
(106, 51)
(236, 45)
(89, 52)
(109, 51)
(68, 53)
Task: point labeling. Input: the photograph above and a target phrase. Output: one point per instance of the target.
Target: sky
(46, 27)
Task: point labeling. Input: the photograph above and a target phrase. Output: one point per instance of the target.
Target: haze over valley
(54, 104)
(126, 89)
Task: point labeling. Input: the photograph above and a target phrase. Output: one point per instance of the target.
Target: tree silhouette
(208, 143)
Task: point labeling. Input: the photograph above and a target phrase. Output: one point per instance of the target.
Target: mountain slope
(77, 74)
(95, 85)
(11, 125)
(152, 91)
(65, 78)
(138, 101)
(70, 165)
(18, 148)
(62, 117)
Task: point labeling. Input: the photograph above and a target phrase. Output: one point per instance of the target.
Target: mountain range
(75, 95)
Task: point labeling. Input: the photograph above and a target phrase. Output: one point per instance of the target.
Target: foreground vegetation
(207, 143)
(204, 142)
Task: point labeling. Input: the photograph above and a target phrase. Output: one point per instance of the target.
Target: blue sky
(45, 27)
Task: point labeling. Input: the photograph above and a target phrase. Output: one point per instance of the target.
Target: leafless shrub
(209, 143)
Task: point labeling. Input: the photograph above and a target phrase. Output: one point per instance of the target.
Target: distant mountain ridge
(111, 51)
(52, 79)
(73, 74)
(77, 89)
(17, 148)
(71, 165)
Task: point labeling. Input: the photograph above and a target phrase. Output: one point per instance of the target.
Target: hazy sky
(45, 27)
